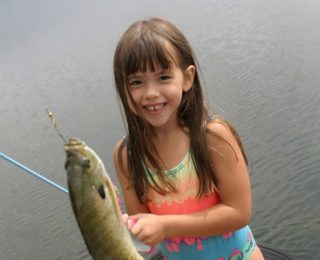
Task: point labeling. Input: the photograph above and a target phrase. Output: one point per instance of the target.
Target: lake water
(260, 62)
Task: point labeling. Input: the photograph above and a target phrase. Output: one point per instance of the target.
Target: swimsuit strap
(212, 117)
(174, 170)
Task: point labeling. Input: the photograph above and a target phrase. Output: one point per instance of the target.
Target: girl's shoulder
(224, 139)
(217, 126)
(220, 132)
(120, 154)
(120, 146)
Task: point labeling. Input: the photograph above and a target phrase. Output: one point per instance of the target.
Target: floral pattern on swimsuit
(233, 245)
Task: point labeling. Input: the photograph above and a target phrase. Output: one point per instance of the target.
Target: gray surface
(260, 62)
(268, 253)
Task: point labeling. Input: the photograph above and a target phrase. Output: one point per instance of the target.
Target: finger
(130, 223)
(136, 228)
(139, 216)
(125, 217)
(135, 218)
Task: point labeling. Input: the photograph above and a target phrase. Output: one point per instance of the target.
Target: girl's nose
(151, 92)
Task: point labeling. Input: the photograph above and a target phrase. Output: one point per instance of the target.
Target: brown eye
(164, 77)
(135, 83)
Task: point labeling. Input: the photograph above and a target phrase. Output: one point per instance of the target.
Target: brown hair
(144, 46)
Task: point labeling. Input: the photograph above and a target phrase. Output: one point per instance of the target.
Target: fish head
(80, 156)
(76, 155)
(82, 165)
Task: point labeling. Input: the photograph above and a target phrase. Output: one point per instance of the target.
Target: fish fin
(113, 196)
(112, 192)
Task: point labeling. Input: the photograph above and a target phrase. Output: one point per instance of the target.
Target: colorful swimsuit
(233, 245)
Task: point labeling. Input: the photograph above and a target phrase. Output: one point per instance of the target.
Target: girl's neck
(172, 145)
(164, 133)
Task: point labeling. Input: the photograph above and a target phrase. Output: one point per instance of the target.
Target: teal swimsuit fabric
(232, 246)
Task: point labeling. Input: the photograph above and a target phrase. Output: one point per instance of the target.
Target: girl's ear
(188, 77)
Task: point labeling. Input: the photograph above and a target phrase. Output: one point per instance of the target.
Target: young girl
(183, 173)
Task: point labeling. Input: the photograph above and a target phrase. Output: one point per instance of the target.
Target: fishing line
(55, 124)
(34, 173)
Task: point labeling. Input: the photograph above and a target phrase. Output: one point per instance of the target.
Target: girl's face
(157, 94)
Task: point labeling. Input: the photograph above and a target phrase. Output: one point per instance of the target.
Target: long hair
(145, 45)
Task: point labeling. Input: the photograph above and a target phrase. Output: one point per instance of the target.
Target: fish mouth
(74, 146)
(75, 150)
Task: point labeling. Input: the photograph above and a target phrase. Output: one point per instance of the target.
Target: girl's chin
(162, 123)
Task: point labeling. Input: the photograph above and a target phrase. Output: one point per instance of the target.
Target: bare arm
(132, 203)
(234, 209)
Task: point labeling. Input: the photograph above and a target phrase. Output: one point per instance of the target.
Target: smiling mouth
(154, 108)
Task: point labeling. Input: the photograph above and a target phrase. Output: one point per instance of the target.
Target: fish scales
(95, 205)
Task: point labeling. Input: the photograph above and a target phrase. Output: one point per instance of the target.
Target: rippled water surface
(260, 62)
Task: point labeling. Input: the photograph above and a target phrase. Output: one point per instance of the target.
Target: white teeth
(154, 108)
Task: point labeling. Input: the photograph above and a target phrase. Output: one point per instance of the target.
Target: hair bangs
(148, 52)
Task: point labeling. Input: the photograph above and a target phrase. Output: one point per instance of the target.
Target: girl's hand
(148, 228)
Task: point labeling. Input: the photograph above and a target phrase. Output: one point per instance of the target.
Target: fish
(95, 205)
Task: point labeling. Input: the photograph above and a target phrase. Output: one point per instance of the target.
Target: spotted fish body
(95, 205)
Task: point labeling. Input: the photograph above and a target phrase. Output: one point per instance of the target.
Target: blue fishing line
(143, 247)
(32, 172)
